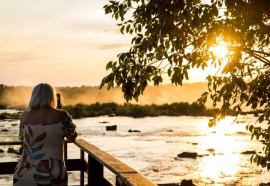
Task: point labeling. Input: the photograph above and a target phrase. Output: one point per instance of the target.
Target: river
(153, 149)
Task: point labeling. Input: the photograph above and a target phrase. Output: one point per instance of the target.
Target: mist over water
(15, 96)
(20, 95)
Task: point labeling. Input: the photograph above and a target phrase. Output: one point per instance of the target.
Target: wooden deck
(92, 162)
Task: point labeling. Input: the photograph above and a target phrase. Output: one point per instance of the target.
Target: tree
(170, 37)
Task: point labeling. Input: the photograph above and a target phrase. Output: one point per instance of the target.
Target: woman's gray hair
(43, 95)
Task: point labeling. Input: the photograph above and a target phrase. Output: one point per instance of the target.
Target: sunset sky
(62, 42)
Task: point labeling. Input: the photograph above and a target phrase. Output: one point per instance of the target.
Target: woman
(42, 130)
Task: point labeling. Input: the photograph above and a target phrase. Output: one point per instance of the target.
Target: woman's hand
(72, 138)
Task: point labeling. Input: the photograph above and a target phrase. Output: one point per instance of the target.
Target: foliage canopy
(170, 37)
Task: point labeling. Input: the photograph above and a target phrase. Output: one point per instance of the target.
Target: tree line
(135, 110)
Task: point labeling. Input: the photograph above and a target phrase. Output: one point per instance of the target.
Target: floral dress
(41, 163)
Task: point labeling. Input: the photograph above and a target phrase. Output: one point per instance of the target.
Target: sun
(220, 51)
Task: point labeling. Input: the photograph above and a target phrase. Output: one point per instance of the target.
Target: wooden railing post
(82, 168)
(117, 181)
(95, 172)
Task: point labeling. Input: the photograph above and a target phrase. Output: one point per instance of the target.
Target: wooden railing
(93, 165)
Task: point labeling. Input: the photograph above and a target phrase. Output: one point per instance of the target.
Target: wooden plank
(82, 162)
(126, 174)
(105, 182)
(118, 181)
(95, 172)
(2, 143)
(7, 167)
(73, 165)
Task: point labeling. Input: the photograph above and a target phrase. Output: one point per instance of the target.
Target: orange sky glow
(63, 42)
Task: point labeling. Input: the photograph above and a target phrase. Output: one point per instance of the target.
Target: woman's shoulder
(25, 113)
(63, 113)
(51, 111)
(43, 115)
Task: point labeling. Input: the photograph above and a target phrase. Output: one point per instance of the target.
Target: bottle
(59, 104)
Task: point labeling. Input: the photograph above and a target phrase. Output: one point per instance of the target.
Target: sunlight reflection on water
(222, 165)
(218, 168)
(153, 151)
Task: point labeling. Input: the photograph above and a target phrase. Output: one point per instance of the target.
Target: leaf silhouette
(40, 137)
(30, 131)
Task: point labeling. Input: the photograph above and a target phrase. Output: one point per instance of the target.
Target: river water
(153, 150)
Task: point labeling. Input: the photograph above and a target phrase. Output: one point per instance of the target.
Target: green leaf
(251, 127)
(127, 28)
(122, 29)
(261, 118)
(240, 82)
(215, 10)
(169, 72)
(109, 65)
(139, 28)
(243, 97)
(268, 167)
(186, 75)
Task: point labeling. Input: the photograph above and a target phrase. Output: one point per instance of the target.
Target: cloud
(108, 38)
(18, 57)
(114, 30)
(114, 46)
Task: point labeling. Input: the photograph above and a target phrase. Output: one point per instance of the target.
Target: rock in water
(187, 155)
(133, 130)
(183, 183)
(111, 128)
(187, 183)
(249, 152)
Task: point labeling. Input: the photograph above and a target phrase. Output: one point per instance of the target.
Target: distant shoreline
(133, 110)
